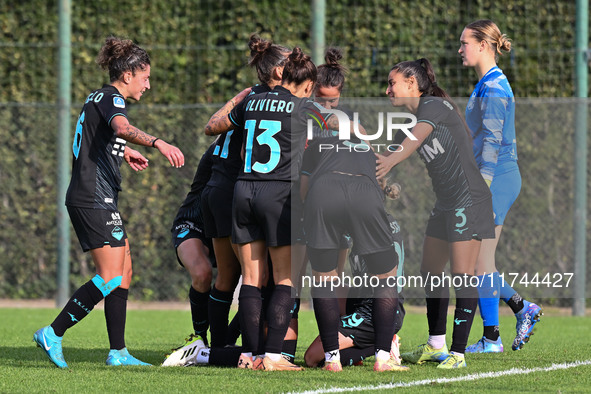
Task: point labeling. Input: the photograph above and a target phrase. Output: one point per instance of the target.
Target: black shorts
(96, 228)
(262, 211)
(297, 217)
(462, 224)
(216, 208)
(341, 205)
(184, 230)
(359, 327)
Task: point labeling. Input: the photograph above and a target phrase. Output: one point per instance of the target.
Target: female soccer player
(462, 216)
(99, 148)
(262, 201)
(346, 173)
(490, 115)
(268, 59)
(194, 251)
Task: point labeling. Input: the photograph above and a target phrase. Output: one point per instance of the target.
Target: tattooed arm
(123, 129)
(219, 122)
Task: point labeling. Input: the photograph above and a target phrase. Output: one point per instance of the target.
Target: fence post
(580, 212)
(63, 150)
(318, 23)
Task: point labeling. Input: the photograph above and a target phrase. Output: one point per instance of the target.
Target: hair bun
(297, 56)
(503, 43)
(257, 45)
(333, 56)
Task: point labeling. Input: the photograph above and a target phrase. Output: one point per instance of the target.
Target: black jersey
(227, 160)
(190, 209)
(275, 134)
(447, 153)
(98, 152)
(331, 154)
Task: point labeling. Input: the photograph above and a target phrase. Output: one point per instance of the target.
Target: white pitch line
(483, 375)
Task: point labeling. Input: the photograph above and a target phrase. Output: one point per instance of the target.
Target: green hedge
(199, 55)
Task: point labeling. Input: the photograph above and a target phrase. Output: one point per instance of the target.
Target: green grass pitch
(151, 333)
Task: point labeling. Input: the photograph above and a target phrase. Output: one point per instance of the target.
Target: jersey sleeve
(236, 116)
(493, 107)
(110, 106)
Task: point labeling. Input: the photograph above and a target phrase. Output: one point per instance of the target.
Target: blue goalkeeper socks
(488, 298)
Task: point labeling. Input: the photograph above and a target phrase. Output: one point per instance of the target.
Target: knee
(201, 278)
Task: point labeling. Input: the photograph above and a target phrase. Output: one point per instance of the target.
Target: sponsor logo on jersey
(428, 153)
(117, 233)
(118, 102)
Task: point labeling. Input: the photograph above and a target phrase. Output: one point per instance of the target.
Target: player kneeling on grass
(99, 149)
(356, 330)
(195, 253)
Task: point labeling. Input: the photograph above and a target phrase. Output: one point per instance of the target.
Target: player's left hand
(172, 153)
(135, 159)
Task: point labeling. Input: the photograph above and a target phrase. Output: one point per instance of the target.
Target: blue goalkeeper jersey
(490, 115)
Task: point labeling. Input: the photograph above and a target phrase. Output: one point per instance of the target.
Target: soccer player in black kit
(462, 215)
(99, 148)
(194, 251)
(268, 59)
(274, 141)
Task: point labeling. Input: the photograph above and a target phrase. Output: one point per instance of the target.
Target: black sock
(80, 304)
(115, 316)
(199, 316)
(352, 355)
(233, 330)
(384, 308)
(224, 356)
(516, 303)
(289, 349)
(437, 302)
(278, 318)
(219, 309)
(491, 332)
(466, 302)
(249, 309)
(326, 311)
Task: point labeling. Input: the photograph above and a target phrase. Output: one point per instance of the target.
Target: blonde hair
(487, 30)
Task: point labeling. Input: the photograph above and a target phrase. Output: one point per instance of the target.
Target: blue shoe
(485, 345)
(123, 358)
(52, 345)
(526, 319)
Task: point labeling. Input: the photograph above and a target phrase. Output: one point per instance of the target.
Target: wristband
(154, 142)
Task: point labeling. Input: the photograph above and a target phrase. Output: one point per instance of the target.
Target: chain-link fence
(199, 54)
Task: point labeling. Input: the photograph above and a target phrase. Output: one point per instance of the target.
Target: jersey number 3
(270, 127)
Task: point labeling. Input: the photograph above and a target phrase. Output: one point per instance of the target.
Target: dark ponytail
(265, 56)
(299, 68)
(119, 55)
(422, 71)
(332, 73)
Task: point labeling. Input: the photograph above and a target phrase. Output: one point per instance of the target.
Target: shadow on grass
(73, 355)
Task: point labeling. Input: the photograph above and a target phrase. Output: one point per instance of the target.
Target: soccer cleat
(526, 319)
(332, 366)
(123, 358)
(257, 364)
(52, 345)
(389, 365)
(453, 361)
(245, 362)
(425, 353)
(185, 355)
(395, 349)
(485, 345)
(279, 365)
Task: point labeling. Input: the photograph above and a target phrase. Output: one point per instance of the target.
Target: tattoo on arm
(135, 135)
